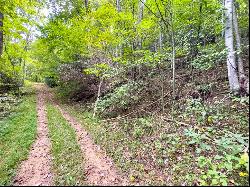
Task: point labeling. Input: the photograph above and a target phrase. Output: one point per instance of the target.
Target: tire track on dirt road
(99, 168)
(36, 170)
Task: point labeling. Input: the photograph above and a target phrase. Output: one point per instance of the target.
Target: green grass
(17, 133)
(66, 154)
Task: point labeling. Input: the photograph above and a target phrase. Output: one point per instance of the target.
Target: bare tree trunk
(1, 34)
(118, 48)
(98, 96)
(141, 11)
(86, 5)
(160, 41)
(222, 19)
(238, 44)
(229, 42)
(173, 55)
(118, 5)
(27, 40)
(162, 91)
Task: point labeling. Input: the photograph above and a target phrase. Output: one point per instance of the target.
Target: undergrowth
(208, 149)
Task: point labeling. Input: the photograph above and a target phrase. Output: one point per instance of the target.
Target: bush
(51, 81)
(120, 99)
(73, 84)
(9, 84)
(209, 57)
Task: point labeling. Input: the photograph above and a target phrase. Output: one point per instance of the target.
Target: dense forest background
(166, 82)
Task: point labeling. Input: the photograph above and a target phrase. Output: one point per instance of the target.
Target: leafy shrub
(198, 138)
(7, 104)
(51, 81)
(204, 114)
(74, 84)
(10, 84)
(120, 98)
(142, 126)
(229, 160)
(208, 58)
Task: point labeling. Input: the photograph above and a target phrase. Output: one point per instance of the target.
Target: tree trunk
(229, 42)
(118, 5)
(141, 10)
(160, 41)
(98, 96)
(238, 44)
(173, 56)
(27, 40)
(222, 19)
(118, 48)
(1, 34)
(86, 5)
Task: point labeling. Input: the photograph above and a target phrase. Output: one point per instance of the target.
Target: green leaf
(214, 181)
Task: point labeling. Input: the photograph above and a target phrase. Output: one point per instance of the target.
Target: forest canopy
(127, 32)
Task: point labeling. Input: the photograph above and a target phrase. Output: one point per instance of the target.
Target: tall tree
(173, 52)
(229, 42)
(141, 9)
(1, 33)
(140, 17)
(118, 5)
(238, 43)
(86, 5)
(160, 40)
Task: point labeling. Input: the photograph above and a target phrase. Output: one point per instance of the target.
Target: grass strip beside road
(66, 154)
(17, 133)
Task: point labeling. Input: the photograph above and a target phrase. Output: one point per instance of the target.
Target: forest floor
(37, 170)
(63, 144)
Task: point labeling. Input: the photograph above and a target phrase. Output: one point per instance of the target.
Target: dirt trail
(35, 171)
(99, 169)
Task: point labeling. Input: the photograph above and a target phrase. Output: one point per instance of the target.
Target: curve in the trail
(36, 170)
(99, 168)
